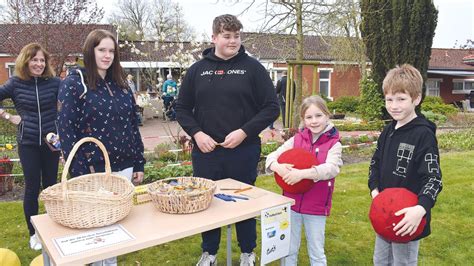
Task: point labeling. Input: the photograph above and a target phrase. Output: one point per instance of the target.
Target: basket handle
(71, 156)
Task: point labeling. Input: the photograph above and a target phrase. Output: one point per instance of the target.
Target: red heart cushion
(301, 159)
(383, 209)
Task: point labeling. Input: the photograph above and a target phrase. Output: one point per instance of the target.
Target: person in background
(471, 98)
(133, 88)
(281, 93)
(34, 91)
(321, 138)
(131, 85)
(169, 90)
(225, 101)
(102, 107)
(72, 65)
(406, 156)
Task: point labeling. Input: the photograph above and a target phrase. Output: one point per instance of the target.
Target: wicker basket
(188, 202)
(87, 201)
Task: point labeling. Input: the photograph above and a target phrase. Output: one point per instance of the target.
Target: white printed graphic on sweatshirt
(432, 188)
(404, 155)
(432, 162)
(222, 72)
(372, 162)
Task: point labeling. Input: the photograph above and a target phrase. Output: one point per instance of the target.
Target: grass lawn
(349, 235)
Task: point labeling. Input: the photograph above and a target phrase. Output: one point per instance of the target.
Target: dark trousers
(167, 100)
(240, 164)
(40, 167)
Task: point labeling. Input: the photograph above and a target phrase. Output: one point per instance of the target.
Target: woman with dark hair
(97, 102)
(34, 90)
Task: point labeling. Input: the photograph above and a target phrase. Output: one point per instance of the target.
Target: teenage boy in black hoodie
(225, 101)
(406, 156)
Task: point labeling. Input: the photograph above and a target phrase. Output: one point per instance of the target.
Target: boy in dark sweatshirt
(406, 156)
(226, 99)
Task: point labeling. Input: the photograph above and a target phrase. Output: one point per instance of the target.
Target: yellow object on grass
(38, 261)
(8, 258)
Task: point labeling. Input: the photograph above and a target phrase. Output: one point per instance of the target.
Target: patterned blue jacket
(107, 116)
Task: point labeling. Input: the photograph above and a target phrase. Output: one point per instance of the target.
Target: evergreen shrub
(371, 101)
(345, 104)
(436, 105)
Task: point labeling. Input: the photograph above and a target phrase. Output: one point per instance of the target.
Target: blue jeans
(240, 164)
(314, 227)
(391, 253)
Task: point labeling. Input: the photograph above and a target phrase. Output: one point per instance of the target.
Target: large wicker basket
(87, 201)
(188, 202)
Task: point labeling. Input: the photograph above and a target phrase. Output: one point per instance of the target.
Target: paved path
(156, 131)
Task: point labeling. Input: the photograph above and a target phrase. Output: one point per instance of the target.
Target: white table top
(151, 227)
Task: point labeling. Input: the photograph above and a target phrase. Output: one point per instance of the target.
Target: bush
(462, 119)
(376, 125)
(438, 119)
(436, 105)
(432, 100)
(168, 156)
(457, 140)
(345, 104)
(270, 147)
(159, 171)
(371, 101)
(7, 129)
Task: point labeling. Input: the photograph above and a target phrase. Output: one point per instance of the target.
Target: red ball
(383, 209)
(300, 159)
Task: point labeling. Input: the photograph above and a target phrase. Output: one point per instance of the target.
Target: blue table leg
(46, 260)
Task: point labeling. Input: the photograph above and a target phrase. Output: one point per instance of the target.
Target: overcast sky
(455, 18)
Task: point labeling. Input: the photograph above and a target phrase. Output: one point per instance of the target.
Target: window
(11, 69)
(432, 87)
(458, 86)
(325, 82)
(462, 86)
(468, 85)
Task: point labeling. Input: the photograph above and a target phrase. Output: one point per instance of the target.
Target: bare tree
(11, 13)
(165, 36)
(51, 37)
(163, 19)
(52, 12)
(133, 17)
(335, 22)
(160, 20)
(291, 17)
(343, 21)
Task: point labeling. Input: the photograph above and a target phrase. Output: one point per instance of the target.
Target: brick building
(450, 74)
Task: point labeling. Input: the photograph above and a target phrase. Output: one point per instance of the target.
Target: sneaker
(207, 260)
(35, 243)
(247, 259)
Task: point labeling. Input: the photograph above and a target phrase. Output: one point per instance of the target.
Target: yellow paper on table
(140, 195)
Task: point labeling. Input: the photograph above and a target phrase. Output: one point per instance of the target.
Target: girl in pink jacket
(321, 138)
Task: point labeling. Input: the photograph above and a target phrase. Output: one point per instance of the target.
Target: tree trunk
(299, 68)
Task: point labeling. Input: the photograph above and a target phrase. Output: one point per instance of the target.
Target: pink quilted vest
(318, 200)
